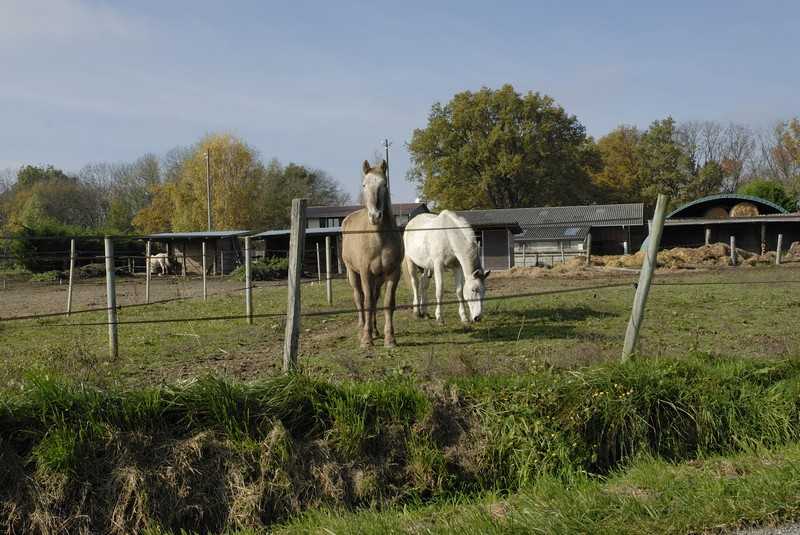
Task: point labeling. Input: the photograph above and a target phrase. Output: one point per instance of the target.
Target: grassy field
(746, 312)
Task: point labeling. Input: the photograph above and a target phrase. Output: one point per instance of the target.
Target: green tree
(665, 166)
(771, 190)
(500, 149)
(706, 181)
(618, 178)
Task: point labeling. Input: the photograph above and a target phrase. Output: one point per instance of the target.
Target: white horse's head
(374, 191)
(474, 290)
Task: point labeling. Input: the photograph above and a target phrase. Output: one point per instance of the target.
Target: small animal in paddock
(372, 251)
(438, 242)
(160, 263)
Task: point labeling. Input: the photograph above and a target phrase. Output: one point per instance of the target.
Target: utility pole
(386, 146)
(208, 186)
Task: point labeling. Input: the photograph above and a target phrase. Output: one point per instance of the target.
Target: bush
(47, 276)
(268, 269)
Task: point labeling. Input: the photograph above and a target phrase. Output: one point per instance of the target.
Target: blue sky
(321, 83)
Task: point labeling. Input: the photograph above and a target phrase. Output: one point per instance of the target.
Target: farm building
(223, 251)
(754, 222)
(332, 216)
(322, 222)
(495, 235)
(554, 234)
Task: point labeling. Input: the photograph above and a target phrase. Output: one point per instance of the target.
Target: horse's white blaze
(434, 243)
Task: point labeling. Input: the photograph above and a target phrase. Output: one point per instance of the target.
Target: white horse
(434, 243)
(160, 263)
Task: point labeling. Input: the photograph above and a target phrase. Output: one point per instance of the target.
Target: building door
(496, 249)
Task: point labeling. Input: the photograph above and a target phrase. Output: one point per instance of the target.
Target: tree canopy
(771, 190)
(501, 149)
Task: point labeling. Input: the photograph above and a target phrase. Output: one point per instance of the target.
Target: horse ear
(365, 167)
(476, 274)
(486, 274)
(384, 166)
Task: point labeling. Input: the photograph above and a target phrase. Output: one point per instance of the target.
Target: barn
(223, 250)
(754, 223)
(554, 234)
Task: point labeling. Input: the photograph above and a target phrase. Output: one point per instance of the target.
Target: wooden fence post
(319, 265)
(708, 235)
(183, 259)
(524, 255)
(733, 250)
(297, 238)
(222, 262)
(71, 275)
(561, 246)
(779, 250)
(328, 281)
(248, 282)
(588, 247)
(111, 300)
(645, 278)
(625, 247)
(147, 275)
(205, 269)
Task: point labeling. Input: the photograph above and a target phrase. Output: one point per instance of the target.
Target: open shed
(754, 223)
(223, 251)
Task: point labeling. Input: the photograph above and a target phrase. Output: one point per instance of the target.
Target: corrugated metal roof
(322, 231)
(554, 233)
(342, 211)
(731, 198)
(198, 234)
(598, 215)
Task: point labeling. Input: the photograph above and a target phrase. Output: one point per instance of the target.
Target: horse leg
(462, 308)
(367, 287)
(438, 278)
(389, 302)
(424, 282)
(376, 296)
(413, 279)
(358, 295)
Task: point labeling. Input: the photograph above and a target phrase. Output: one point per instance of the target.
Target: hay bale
(744, 209)
(716, 212)
(794, 249)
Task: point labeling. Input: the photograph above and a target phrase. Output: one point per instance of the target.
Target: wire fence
(236, 257)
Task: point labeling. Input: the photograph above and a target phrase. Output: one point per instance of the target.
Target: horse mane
(462, 236)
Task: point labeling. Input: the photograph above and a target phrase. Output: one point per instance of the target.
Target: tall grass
(214, 454)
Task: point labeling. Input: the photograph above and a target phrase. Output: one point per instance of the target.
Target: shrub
(47, 276)
(268, 269)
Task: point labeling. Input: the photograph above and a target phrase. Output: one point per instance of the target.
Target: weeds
(213, 454)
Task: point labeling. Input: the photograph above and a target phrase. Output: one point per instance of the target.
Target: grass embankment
(214, 455)
(651, 496)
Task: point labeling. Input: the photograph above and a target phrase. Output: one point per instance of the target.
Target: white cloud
(62, 21)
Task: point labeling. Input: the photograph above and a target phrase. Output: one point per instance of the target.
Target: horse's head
(374, 191)
(474, 290)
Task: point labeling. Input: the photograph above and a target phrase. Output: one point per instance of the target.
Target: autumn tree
(665, 166)
(771, 190)
(617, 180)
(501, 149)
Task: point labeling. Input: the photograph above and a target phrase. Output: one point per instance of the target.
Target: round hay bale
(716, 212)
(744, 209)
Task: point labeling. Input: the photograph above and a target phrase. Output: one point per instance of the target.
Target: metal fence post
(297, 238)
(111, 299)
(205, 274)
(148, 275)
(248, 282)
(71, 275)
(319, 265)
(328, 281)
(645, 278)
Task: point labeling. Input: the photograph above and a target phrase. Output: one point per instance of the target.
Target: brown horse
(372, 250)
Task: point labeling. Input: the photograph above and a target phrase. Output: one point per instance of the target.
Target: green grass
(733, 315)
(215, 454)
(650, 496)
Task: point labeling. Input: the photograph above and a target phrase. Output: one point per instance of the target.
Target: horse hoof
(390, 344)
